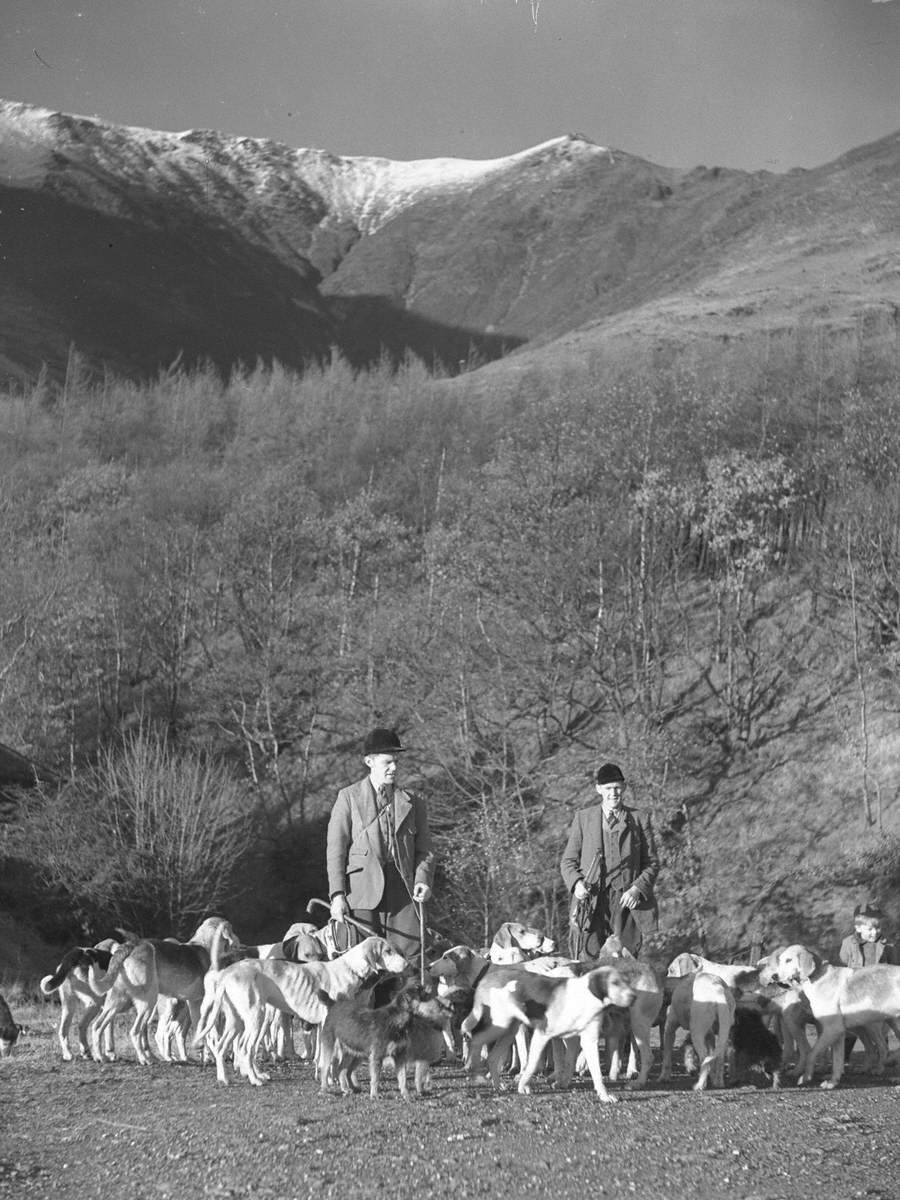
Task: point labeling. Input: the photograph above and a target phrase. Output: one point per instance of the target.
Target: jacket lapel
(368, 815)
(402, 807)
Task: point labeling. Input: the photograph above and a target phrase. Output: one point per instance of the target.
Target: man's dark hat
(610, 773)
(869, 911)
(381, 741)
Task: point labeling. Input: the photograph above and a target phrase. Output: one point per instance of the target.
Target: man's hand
(421, 893)
(340, 909)
(631, 898)
(580, 890)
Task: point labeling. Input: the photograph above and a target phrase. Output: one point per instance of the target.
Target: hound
(641, 1016)
(494, 1022)
(840, 998)
(566, 1008)
(151, 968)
(243, 990)
(462, 966)
(791, 1012)
(739, 976)
(71, 980)
(754, 1045)
(513, 939)
(704, 1004)
(302, 942)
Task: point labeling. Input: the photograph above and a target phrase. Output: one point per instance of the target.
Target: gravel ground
(119, 1130)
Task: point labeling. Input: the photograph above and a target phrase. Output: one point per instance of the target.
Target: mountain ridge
(564, 241)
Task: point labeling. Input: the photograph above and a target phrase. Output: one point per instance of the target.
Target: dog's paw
(828, 1084)
(607, 1098)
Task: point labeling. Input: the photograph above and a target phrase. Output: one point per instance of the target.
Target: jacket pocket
(356, 860)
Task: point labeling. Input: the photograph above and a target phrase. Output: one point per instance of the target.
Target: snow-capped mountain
(280, 196)
(138, 246)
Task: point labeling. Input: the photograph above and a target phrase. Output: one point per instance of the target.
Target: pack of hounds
(515, 1006)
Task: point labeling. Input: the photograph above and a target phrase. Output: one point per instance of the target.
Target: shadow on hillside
(373, 328)
(134, 296)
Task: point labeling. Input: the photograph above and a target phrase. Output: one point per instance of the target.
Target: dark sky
(744, 83)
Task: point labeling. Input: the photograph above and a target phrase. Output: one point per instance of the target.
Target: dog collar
(481, 974)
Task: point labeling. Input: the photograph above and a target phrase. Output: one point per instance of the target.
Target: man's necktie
(386, 820)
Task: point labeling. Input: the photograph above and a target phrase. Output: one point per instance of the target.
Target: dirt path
(81, 1130)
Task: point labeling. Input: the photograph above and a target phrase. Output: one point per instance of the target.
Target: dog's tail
(52, 983)
(213, 987)
(213, 995)
(217, 956)
(102, 984)
(78, 956)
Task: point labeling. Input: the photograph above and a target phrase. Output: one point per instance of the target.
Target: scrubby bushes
(147, 838)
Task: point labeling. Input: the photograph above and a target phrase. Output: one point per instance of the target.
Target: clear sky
(743, 83)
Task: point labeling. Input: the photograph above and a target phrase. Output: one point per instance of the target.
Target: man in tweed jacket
(380, 858)
(610, 865)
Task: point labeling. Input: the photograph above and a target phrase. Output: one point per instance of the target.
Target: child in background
(864, 947)
(867, 944)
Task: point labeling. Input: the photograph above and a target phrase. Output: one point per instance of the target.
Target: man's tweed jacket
(636, 865)
(356, 853)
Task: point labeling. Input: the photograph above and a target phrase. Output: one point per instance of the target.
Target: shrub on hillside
(148, 839)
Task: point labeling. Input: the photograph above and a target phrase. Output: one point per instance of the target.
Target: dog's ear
(598, 983)
(808, 961)
(504, 936)
(682, 964)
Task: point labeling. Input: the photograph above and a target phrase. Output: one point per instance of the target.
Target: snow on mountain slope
(370, 191)
(273, 193)
(25, 151)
